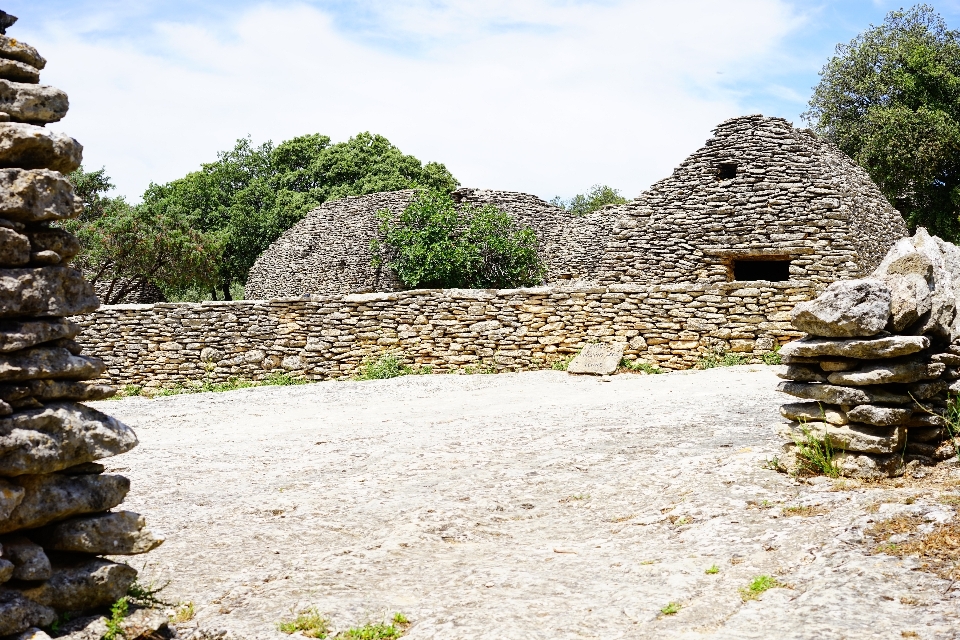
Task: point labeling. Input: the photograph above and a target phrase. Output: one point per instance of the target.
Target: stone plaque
(599, 359)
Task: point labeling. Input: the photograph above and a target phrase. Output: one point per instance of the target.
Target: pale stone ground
(533, 505)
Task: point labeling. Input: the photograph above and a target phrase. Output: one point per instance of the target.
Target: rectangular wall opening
(727, 171)
(774, 270)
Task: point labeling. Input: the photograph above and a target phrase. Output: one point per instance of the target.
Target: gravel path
(532, 505)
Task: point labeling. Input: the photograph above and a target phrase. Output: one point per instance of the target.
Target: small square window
(727, 171)
(772, 270)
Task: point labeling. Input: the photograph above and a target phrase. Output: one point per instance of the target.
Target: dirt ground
(531, 505)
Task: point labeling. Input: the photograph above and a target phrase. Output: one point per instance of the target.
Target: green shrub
(636, 365)
(583, 203)
(436, 244)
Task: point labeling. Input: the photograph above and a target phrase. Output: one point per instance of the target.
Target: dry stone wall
(329, 337)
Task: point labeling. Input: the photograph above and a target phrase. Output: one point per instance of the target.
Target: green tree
(436, 244)
(251, 195)
(890, 99)
(598, 197)
(125, 246)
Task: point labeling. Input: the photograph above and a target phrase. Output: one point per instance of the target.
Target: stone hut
(761, 201)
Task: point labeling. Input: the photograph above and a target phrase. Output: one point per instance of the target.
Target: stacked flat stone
(881, 356)
(55, 522)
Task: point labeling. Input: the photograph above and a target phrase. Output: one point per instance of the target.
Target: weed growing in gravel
(671, 608)
(814, 455)
(146, 595)
(636, 365)
(563, 363)
(713, 570)
(377, 631)
(184, 612)
(115, 624)
(309, 622)
(772, 357)
(389, 366)
(757, 586)
(939, 550)
(720, 358)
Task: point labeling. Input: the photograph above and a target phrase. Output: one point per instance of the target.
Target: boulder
(14, 248)
(120, 533)
(850, 437)
(18, 613)
(34, 103)
(813, 411)
(885, 373)
(14, 49)
(28, 558)
(848, 308)
(57, 436)
(18, 71)
(16, 335)
(832, 394)
(45, 291)
(910, 298)
(28, 146)
(83, 585)
(55, 497)
(879, 416)
(41, 363)
(37, 195)
(875, 349)
(867, 467)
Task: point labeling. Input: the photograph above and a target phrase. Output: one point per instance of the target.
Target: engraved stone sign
(598, 359)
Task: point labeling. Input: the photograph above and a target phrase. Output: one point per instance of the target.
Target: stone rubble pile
(56, 521)
(881, 356)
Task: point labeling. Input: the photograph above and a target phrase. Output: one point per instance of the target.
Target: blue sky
(543, 96)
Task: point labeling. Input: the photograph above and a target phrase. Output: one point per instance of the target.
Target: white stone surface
(532, 505)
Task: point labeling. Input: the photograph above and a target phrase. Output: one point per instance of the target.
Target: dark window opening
(727, 171)
(772, 270)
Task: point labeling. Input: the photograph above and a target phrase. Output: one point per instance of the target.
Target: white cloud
(535, 96)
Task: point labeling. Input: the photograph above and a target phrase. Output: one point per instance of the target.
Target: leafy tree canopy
(126, 246)
(251, 194)
(598, 197)
(890, 99)
(436, 244)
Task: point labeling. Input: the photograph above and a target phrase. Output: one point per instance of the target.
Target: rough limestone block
(927, 390)
(14, 49)
(57, 436)
(34, 634)
(14, 248)
(6, 570)
(813, 411)
(84, 585)
(599, 359)
(850, 437)
(120, 533)
(926, 420)
(55, 497)
(34, 103)
(910, 298)
(868, 467)
(18, 613)
(924, 434)
(49, 390)
(11, 495)
(65, 245)
(879, 416)
(45, 291)
(37, 195)
(850, 396)
(18, 71)
(848, 308)
(838, 364)
(43, 363)
(875, 349)
(884, 373)
(28, 146)
(28, 558)
(16, 335)
(801, 373)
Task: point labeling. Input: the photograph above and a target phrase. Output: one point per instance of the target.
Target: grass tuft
(713, 570)
(118, 612)
(636, 365)
(563, 363)
(814, 455)
(183, 612)
(309, 623)
(389, 366)
(757, 586)
(805, 511)
(146, 595)
(671, 608)
(720, 358)
(772, 357)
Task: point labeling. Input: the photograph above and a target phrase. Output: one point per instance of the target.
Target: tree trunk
(226, 291)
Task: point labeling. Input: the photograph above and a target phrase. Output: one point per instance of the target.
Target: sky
(543, 96)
